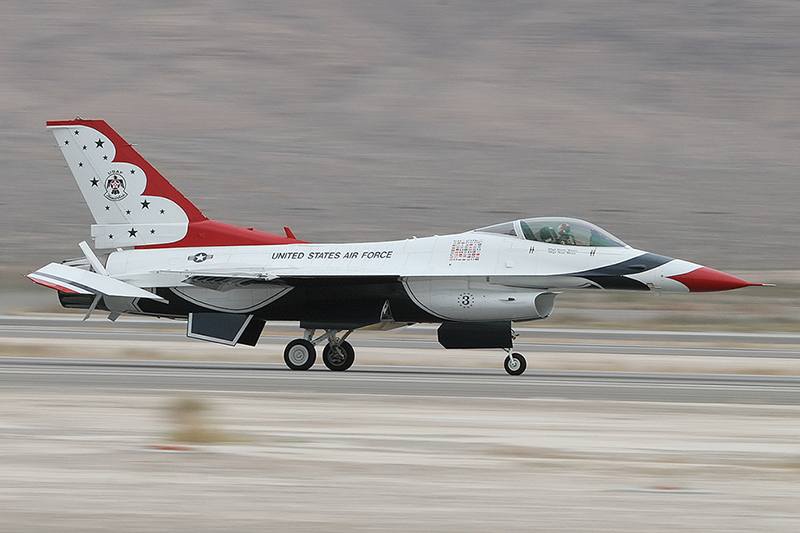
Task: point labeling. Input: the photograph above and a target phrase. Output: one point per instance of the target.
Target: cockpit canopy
(557, 230)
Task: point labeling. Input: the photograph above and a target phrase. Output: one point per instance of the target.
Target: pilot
(565, 235)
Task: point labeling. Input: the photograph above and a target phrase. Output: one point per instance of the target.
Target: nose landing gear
(338, 354)
(515, 363)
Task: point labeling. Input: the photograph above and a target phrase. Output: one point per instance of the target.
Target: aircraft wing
(227, 280)
(79, 281)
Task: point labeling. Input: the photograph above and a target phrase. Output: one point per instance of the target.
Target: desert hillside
(674, 125)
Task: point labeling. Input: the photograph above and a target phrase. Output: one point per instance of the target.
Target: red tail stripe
(157, 185)
(212, 233)
(201, 230)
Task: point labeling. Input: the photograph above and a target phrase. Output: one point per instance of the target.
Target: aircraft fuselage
(227, 281)
(472, 276)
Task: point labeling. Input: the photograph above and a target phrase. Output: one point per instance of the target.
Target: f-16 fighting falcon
(167, 259)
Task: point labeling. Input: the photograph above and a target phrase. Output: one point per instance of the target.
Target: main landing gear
(338, 354)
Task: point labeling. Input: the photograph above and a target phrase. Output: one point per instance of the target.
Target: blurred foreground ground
(75, 461)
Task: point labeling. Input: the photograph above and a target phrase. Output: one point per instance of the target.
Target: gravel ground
(74, 461)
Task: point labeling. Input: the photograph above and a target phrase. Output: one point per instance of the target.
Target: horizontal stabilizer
(78, 281)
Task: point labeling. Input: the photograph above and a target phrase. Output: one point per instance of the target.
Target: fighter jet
(166, 259)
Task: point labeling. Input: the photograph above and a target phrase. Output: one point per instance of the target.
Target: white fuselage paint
(472, 276)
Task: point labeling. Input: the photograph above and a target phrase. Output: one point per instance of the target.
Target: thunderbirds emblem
(115, 186)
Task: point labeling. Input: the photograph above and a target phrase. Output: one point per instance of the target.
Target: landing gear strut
(514, 363)
(338, 354)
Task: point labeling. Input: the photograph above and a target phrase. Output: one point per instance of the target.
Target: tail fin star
(133, 205)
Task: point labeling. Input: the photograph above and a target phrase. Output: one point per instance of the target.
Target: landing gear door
(225, 328)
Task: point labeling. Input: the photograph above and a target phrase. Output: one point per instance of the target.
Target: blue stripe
(70, 282)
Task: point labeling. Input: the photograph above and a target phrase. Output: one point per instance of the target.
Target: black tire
(515, 364)
(339, 359)
(300, 354)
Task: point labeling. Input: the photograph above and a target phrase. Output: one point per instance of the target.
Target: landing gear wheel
(515, 364)
(300, 354)
(338, 358)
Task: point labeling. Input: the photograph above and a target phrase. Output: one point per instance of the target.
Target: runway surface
(404, 381)
(433, 381)
(764, 345)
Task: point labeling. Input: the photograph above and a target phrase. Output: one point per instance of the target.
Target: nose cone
(706, 279)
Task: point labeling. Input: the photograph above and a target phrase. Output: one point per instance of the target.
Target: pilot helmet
(564, 229)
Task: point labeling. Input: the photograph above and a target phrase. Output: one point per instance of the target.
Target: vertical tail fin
(132, 203)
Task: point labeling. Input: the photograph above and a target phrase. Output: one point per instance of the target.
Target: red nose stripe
(706, 279)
